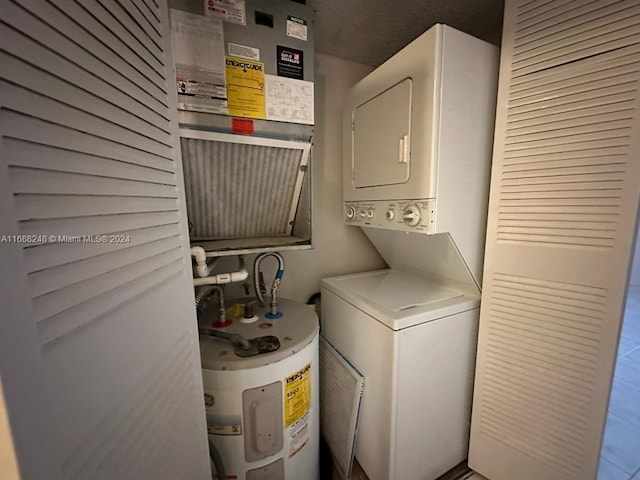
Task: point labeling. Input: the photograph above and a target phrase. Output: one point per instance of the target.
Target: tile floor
(621, 447)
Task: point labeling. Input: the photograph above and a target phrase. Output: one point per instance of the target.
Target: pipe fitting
(273, 303)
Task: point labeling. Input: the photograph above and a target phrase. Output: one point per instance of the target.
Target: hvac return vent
(243, 193)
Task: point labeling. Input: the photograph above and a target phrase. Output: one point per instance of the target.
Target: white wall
(338, 249)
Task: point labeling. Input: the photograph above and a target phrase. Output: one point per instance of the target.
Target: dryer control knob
(350, 213)
(411, 215)
(390, 214)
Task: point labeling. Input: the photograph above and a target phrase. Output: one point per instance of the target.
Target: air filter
(241, 187)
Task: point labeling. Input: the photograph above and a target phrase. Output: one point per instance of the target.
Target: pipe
(201, 295)
(200, 256)
(216, 459)
(221, 278)
(234, 338)
(273, 304)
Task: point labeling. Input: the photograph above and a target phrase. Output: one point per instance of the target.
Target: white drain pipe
(229, 277)
(199, 255)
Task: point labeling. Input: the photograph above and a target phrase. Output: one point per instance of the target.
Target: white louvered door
(99, 357)
(564, 196)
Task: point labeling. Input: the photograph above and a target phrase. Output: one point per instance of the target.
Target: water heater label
(297, 395)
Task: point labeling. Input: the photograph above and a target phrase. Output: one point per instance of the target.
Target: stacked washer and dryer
(418, 137)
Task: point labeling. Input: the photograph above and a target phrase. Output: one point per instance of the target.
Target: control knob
(390, 214)
(411, 215)
(350, 213)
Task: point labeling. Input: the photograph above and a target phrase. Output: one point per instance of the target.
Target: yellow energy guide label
(297, 391)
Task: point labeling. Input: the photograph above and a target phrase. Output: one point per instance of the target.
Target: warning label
(297, 392)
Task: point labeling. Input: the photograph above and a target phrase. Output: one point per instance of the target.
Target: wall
(338, 249)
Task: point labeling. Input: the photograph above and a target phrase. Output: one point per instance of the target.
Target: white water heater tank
(263, 411)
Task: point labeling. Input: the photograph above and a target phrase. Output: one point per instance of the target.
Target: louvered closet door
(99, 357)
(564, 195)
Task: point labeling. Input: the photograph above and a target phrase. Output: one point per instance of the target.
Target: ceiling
(371, 31)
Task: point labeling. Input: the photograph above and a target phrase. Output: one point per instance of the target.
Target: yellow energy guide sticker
(297, 395)
(245, 87)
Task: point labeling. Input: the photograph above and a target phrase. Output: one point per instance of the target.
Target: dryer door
(382, 136)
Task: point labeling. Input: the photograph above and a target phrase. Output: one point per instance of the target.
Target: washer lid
(397, 291)
(431, 256)
(400, 299)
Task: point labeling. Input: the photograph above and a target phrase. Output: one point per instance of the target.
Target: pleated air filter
(240, 187)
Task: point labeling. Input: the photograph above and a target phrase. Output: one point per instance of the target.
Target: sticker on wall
(297, 395)
(290, 62)
(289, 100)
(245, 87)
(296, 28)
(233, 11)
(198, 46)
(243, 51)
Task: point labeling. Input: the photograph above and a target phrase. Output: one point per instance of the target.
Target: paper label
(289, 100)
(245, 87)
(198, 46)
(290, 62)
(299, 434)
(297, 395)
(233, 11)
(296, 28)
(243, 51)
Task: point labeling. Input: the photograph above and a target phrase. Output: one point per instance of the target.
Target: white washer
(414, 341)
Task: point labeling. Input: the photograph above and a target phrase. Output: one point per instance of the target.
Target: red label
(242, 125)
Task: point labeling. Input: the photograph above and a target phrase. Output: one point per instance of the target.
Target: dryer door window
(382, 138)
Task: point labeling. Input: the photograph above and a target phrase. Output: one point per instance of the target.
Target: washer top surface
(399, 299)
(397, 291)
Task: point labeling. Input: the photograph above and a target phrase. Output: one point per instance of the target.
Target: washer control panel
(405, 215)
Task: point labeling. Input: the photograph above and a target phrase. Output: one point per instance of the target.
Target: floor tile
(625, 403)
(628, 371)
(621, 444)
(608, 471)
(627, 345)
(631, 325)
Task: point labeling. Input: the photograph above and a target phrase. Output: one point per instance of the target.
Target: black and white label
(290, 62)
(296, 27)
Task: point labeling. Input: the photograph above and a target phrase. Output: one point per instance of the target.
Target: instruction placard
(245, 87)
(289, 100)
(233, 11)
(297, 395)
(198, 48)
(297, 27)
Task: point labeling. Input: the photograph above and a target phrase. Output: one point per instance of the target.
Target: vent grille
(565, 156)
(153, 414)
(541, 353)
(559, 32)
(238, 190)
(88, 153)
